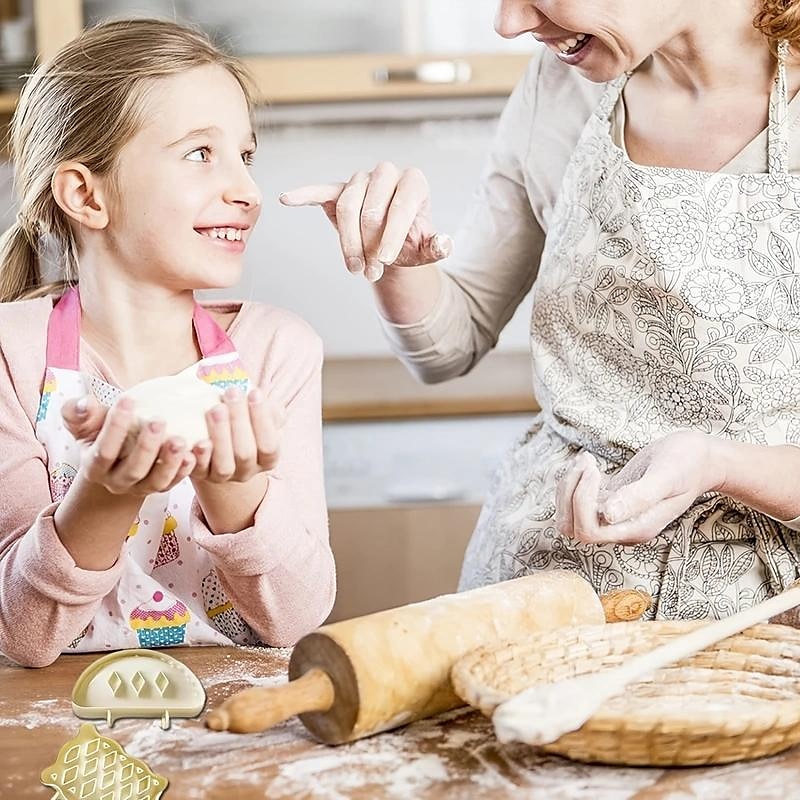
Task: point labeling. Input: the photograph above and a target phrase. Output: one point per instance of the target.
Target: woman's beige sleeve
(495, 261)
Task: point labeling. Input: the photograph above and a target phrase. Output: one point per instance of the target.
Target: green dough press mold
(137, 683)
(94, 767)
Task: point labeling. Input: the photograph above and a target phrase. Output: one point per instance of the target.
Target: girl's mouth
(228, 238)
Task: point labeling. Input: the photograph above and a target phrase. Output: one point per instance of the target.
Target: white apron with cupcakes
(666, 299)
(169, 592)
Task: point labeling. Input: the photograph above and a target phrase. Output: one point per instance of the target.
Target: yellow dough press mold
(93, 767)
(137, 683)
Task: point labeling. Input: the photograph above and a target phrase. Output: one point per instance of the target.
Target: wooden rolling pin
(361, 676)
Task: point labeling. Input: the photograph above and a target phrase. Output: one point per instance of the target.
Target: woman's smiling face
(600, 38)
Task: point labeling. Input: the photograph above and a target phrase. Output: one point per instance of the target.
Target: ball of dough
(181, 401)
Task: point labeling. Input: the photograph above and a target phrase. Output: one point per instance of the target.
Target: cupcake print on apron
(222, 614)
(160, 622)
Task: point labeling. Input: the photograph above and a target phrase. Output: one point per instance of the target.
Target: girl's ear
(80, 195)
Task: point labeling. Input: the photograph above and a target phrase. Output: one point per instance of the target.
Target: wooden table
(454, 756)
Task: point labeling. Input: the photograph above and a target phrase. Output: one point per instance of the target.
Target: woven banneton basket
(737, 700)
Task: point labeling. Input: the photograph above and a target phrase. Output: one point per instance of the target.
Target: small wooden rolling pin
(362, 676)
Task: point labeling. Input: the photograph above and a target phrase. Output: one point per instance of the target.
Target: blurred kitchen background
(344, 84)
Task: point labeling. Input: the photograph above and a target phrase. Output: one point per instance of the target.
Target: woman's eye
(248, 156)
(200, 154)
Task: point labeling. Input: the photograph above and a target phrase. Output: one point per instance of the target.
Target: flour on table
(41, 713)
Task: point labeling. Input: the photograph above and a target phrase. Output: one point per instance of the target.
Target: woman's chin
(597, 63)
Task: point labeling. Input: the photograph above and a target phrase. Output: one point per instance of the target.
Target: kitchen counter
(382, 388)
(454, 756)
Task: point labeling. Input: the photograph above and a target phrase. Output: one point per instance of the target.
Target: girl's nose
(242, 190)
(515, 17)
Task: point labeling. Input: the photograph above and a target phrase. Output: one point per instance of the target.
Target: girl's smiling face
(600, 38)
(186, 202)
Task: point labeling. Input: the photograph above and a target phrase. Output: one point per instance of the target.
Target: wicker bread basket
(737, 700)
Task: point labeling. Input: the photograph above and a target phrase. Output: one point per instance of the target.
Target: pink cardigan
(279, 574)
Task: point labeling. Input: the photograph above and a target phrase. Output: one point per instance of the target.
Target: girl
(131, 150)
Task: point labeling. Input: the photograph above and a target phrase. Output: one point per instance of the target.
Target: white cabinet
(389, 552)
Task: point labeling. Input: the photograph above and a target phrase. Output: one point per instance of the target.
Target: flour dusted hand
(383, 218)
(636, 503)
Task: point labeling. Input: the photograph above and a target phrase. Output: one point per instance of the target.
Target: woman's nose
(515, 17)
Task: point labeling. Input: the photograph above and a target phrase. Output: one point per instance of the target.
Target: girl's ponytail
(19, 264)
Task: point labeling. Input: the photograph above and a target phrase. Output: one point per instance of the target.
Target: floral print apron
(169, 592)
(667, 299)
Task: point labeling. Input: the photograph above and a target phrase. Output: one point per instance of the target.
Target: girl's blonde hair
(84, 105)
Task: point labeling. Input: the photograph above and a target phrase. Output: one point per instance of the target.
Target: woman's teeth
(231, 234)
(573, 44)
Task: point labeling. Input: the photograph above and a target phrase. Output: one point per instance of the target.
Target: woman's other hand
(244, 438)
(383, 218)
(636, 503)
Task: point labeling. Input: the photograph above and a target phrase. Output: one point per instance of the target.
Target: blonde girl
(131, 149)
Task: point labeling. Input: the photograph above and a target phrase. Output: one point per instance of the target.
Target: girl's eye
(248, 156)
(200, 154)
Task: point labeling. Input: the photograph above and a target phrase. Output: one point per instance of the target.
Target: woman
(654, 212)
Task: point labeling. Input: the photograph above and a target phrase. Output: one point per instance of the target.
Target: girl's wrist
(92, 523)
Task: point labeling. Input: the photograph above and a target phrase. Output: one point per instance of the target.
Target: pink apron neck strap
(212, 339)
(64, 333)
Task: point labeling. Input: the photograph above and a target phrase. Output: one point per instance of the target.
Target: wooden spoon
(543, 713)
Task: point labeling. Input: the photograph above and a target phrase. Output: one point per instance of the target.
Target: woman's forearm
(762, 477)
(92, 523)
(405, 295)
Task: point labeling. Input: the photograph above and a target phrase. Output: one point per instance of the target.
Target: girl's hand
(125, 461)
(636, 503)
(383, 218)
(244, 438)
(84, 418)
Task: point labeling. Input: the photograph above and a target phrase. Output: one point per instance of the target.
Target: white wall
(294, 260)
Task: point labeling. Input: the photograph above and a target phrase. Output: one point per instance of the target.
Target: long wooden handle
(544, 712)
(261, 707)
(690, 643)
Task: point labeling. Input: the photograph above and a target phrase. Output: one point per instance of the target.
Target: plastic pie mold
(137, 683)
(93, 767)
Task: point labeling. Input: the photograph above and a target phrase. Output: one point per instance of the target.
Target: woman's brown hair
(777, 20)
(84, 105)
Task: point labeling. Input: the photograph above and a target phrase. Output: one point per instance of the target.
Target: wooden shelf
(351, 77)
(382, 388)
(348, 78)
(284, 80)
